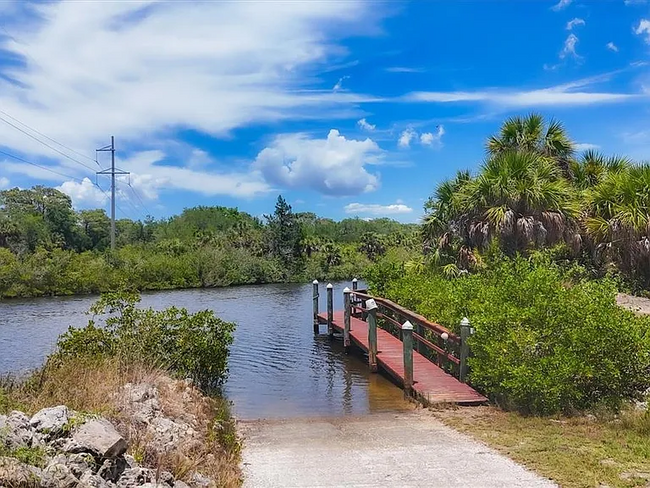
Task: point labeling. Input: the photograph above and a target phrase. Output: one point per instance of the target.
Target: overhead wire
(17, 158)
(49, 138)
(46, 144)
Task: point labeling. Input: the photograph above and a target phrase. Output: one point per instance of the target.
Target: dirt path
(381, 450)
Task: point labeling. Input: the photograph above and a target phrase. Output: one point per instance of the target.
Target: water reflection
(278, 368)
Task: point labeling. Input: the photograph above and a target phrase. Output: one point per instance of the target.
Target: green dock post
(315, 298)
(407, 340)
(371, 307)
(465, 332)
(346, 317)
(330, 309)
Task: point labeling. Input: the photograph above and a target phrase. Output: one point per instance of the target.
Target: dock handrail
(428, 335)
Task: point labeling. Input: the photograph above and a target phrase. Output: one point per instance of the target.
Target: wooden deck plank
(430, 382)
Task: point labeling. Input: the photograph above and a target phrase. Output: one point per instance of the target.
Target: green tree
(96, 227)
(532, 134)
(285, 232)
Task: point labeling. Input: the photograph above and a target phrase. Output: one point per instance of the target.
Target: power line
(39, 166)
(108, 196)
(46, 144)
(139, 199)
(49, 138)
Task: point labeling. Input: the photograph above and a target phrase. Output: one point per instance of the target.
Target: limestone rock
(58, 476)
(100, 437)
(112, 469)
(136, 477)
(50, 421)
(78, 463)
(89, 480)
(15, 474)
(15, 430)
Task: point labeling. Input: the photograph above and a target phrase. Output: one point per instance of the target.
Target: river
(278, 368)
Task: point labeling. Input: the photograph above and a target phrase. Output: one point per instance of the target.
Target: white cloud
(406, 137)
(568, 94)
(84, 193)
(365, 125)
(612, 47)
(377, 209)
(333, 166)
(585, 146)
(339, 84)
(643, 29)
(430, 139)
(575, 22)
(635, 2)
(569, 48)
(403, 69)
(150, 67)
(4, 182)
(561, 5)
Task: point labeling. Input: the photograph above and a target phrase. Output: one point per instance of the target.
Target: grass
(575, 452)
(91, 386)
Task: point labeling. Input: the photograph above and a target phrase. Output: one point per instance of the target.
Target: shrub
(545, 340)
(190, 345)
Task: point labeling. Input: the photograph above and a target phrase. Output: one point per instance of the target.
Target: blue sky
(346, 108)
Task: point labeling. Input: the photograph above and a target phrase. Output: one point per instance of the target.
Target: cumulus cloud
(431, 139)
(612, 47)
(643, 29)
(561, 5)
(84, 193)
(585, 146)
(4, 182)
(365, 125)
(377, 210)
(574, 23)
(406, 137)
(333, 166)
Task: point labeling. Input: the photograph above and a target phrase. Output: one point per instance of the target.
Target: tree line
(49, 248)
(534, 191)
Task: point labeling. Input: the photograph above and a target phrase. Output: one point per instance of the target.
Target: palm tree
(618, 218)
(593, 167)
(520, 198)
(532, 134)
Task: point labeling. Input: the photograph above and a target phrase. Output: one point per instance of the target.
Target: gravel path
(410, 449)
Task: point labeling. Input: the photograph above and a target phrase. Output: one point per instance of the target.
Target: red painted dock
(431, 383)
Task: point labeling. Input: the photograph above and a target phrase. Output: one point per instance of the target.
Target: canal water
(278, 368)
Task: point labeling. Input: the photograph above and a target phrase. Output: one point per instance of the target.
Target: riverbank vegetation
(47, 248)
(533, 249)
(130, 363)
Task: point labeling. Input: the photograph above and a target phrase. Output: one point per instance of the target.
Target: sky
(347, 108)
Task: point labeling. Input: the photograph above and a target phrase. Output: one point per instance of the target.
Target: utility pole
(112, 171)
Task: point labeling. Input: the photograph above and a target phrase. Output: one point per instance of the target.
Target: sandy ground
(410, 449)
(636, 304)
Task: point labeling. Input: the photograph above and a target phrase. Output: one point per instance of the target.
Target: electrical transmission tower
(112, 171)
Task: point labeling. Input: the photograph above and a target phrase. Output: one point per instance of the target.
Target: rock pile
(75, 450)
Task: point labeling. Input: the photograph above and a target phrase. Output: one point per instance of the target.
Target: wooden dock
(430, 383)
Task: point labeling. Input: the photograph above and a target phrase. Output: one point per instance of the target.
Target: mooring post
(407, 340)
(346, 318)
(315, 298)
(371, 307)
(355, 284)
(330, 309)
(465, 332)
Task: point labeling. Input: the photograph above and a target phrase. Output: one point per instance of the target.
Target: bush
(190, 345)
(545, 341)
